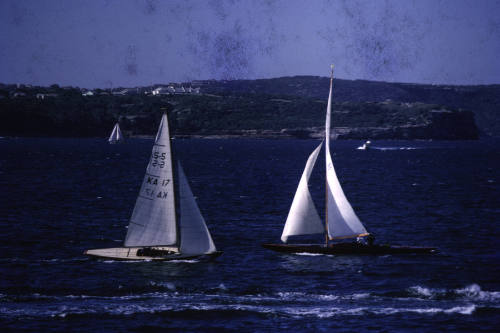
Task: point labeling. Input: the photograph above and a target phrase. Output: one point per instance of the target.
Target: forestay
(303, 218)
(342, 222)
(195, 237)
(153, 220)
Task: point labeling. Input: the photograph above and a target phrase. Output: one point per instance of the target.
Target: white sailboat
(116, 135)
(166, 223)
(341, 222)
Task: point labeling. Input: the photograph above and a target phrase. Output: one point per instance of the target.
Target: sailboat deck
(132, 253)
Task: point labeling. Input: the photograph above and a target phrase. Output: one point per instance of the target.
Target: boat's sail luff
(342, 222)
(303, 218)
(112, 137)
(153, 220)
(195, 237)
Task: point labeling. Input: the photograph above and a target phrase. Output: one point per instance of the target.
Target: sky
(110, 43)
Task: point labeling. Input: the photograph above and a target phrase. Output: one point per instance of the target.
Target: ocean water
(60, 197)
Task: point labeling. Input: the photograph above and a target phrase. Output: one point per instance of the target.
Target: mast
(327, 151)
(175, 177)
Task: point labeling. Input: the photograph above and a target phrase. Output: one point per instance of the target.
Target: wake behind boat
(341, 221)
(166, 223)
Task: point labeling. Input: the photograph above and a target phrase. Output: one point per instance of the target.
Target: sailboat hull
(147, 254)
(349, 248)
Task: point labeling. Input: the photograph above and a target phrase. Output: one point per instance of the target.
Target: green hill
(282, 107)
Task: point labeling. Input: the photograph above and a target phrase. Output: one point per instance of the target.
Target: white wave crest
(299, 296)
(299, 312)
(465, 310)
(168, 285)
(471, 292)
(422, 291)
(474, 292)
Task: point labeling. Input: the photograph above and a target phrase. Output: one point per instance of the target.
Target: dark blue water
(61, 196)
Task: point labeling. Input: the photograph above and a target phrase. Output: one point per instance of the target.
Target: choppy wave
(418, 299)
(472, 292)
(298, 312)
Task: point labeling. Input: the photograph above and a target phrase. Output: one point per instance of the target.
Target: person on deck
(370, 239)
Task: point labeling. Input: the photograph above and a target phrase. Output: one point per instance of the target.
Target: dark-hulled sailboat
(166, 223)
(341, 221)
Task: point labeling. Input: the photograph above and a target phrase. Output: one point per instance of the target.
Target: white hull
(131, 253)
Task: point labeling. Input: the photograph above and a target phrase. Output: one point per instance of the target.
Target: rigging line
(142, 225)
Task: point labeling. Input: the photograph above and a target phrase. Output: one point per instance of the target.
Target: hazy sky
(139, 42)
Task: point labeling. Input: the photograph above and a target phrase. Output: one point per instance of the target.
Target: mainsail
(195, 237)
(153, 220)
(116, 134)
(342, 222)
(303, 218)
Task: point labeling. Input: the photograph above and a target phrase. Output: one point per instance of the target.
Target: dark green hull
(349, 248)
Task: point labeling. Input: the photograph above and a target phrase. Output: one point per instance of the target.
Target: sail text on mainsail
(153, 220)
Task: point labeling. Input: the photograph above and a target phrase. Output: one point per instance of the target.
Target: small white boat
(166, 223)
(365, 145)
(116, 135)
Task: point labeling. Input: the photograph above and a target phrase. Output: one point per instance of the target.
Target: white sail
(303, 218)
(153, 220)
(112, 136)
(119, 135)
(195, 237)
(116, 134)
(342, 222)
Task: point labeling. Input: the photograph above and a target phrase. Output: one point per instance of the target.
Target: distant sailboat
(341, 221)
(166, 223)
(116, 135)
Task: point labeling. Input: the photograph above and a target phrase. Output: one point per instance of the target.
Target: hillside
(226, 112)
(483, 100)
